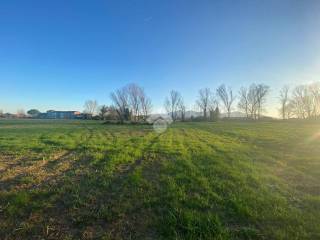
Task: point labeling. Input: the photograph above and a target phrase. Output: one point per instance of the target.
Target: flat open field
(226, 180)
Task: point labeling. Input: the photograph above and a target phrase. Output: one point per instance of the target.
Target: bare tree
(1, 113)
(305, 101)
(252, 100)
(182, 110)
(314, 89)
(290, 110)
(300, 102)
(131, 103)
(120, 103)
(213, 107)
(284, 100)
(261, 94)
(172, 103)
(243, 104)
(134, 92)
(227, 98)
(204, 100)
(145, 105)
(90, 107)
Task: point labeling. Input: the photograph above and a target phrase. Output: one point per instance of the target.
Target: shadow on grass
(80, 201)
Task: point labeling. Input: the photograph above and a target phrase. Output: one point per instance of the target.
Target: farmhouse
(51, 114)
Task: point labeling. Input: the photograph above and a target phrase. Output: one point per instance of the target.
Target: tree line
(131, 103)
(251, 102)
(302, 102)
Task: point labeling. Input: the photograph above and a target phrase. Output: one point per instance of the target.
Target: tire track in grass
(207, 167)
(234, 179)
(46, 174)
(108, 196)
(134, 222)
(188, 203)
(250, 190)
(80, 151)
(39, 168)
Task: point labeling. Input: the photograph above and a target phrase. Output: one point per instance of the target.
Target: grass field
(226, 180)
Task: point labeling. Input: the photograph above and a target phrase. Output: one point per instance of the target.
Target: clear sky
(57, 54)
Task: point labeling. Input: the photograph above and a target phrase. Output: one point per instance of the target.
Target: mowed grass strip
(225, 180)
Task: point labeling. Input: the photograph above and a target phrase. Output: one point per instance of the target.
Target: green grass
(225, 180)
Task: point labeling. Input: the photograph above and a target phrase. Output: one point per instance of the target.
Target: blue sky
(57, 54)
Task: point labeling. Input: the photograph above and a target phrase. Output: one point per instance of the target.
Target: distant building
(9, 115)
(51, 114)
